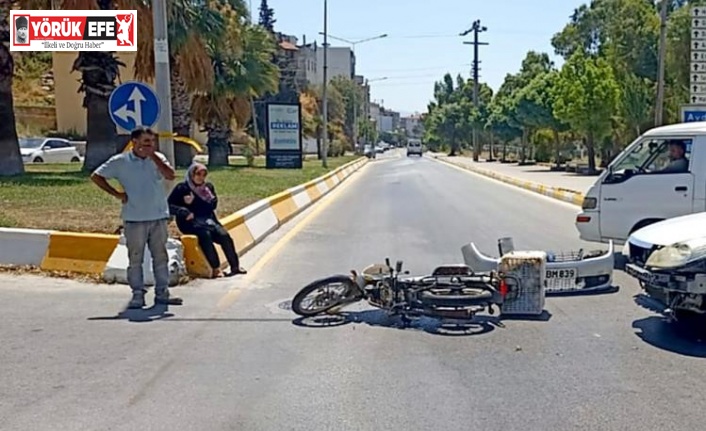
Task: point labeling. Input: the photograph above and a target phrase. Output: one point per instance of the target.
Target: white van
(643, 185)
(414, 146)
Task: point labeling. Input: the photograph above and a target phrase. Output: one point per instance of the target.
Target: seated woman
(194, 202)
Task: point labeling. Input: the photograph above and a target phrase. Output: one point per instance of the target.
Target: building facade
(413, 126)
(341, 62)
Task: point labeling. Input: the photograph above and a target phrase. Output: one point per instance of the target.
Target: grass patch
(61, 197)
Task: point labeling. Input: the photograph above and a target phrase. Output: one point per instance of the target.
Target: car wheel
(75, 160)
(38, 160)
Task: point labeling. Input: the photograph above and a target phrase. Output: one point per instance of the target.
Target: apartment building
(341, 62)
(412, 125)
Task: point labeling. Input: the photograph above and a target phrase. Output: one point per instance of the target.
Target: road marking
(229, 298)
(510, 186)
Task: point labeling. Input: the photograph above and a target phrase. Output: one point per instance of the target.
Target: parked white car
(48, 150)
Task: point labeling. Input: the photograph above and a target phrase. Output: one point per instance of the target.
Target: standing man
(145, 212)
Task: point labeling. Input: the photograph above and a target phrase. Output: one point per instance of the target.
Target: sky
(423, 40)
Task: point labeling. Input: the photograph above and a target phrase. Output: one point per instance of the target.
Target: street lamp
(353, 44)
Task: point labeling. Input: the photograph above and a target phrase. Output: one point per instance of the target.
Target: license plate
(640, 274)
(562, 274)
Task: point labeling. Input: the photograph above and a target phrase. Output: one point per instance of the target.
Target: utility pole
(659, 102)
(324, 150)
(162, 78)
(476, 28)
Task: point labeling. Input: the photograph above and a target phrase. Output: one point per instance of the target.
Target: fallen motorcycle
(451, 292)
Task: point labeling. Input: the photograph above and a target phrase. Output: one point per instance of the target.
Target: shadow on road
(684, 338)
(573, 293)
(481, 324)
(156, 312)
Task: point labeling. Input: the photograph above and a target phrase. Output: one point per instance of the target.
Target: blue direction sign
(132, 105)
(692, 113)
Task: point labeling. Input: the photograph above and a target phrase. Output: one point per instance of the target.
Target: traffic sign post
(132, 105)
(696, 109)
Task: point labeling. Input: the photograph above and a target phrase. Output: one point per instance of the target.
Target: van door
(649, 182)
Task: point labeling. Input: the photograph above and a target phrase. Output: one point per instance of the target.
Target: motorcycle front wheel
(326, 294)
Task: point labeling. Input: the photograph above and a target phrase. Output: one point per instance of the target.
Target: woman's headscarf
(201, 190)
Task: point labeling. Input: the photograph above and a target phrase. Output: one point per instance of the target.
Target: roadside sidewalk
(564, 186)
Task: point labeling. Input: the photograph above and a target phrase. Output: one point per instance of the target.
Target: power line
(402, 84)
(455, 35)
(420, 69)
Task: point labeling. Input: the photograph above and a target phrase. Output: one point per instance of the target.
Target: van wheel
(75, 160)
(38, 160)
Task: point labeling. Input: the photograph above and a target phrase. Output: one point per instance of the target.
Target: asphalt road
(232, 359)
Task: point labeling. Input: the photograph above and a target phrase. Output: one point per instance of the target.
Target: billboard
(284, 136)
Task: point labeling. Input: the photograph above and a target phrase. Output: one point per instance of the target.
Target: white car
(48, 150)
(669, 260)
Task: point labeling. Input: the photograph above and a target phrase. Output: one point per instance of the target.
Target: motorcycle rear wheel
(325, 301)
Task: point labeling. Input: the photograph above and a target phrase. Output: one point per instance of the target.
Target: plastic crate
(530, 268)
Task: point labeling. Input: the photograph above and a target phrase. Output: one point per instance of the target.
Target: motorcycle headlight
(678, 254)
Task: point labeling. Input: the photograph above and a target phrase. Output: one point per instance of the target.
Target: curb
(88, 253)
(565, 195)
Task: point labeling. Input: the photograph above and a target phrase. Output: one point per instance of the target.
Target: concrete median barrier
(565, 195)
(89, 253)
(23, 247)
(85, 253)
(254, 223)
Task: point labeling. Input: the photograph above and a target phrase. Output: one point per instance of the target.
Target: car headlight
(678, 254)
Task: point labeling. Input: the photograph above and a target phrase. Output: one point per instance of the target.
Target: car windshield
(31, 142)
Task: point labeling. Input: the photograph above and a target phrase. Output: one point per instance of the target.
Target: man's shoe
(165, 299)
(137, 301)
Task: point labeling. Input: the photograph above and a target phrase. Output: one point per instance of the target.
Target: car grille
(639, 254)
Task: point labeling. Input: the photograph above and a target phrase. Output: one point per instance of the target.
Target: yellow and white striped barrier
(254, 223)
(89, 253)
(565, 195)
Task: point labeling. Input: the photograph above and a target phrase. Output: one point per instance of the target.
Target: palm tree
(242, 69)
(190, 27)
(98, 70)
(10, 159)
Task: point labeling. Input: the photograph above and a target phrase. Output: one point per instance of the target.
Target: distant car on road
(48, 150)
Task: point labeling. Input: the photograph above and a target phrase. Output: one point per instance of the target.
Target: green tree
(534, 106)
(586, 98)
(242, 69)
(189, 26)
(10, 159)
(267, 17)
(353, 97)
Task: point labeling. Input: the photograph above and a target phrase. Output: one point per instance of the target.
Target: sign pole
(695, 109)
(162, 78)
